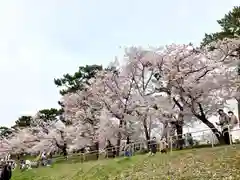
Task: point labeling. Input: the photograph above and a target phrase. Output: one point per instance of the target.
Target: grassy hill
(200, 164)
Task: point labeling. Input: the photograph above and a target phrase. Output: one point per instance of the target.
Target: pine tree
(230, 27)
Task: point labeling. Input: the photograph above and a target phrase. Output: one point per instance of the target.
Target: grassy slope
(208, 163)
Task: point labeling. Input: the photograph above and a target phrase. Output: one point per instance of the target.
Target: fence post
(229, 134)
(203, 137)
(171, 143)
(212, 140)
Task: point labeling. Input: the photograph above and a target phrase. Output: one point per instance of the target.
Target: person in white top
(233, 120)
(43, 155)
(43, 158)
(234, 125)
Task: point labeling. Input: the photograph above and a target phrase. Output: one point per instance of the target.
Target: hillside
(206, 163)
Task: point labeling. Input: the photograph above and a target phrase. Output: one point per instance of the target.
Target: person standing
(224, 121)
(153, 146)
(128, 148)
(233, 120)
(65, 153)
(110, 150)
(43, 158)
(234, 125)
(49, 158)
(164, 145)
(190, 139)
(6, 173)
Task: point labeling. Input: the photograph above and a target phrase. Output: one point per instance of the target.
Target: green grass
(196, 164)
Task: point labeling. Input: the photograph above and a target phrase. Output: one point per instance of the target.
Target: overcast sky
(42, 39)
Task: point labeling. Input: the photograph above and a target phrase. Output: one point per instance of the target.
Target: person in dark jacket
(224, 121)
(128, 148)
(6, 173)
(153, 146)
(190, 139)
(65, 153)
(110, 150)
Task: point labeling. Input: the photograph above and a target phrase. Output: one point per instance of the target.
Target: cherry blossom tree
(198, 81)
(190, 76)
(114, 91)
(138, 68)
(82, 110)
(22, 140)
(4, 147)
(39, 136)
(204, 82)
(102, 109)
(145, 67)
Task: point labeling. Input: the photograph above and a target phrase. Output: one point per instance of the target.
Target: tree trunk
(179, 128)
(166, 129)
(119, 138)
(215, 131)
(147, 134)
(97, 149)
(118, 143)
(204, 120)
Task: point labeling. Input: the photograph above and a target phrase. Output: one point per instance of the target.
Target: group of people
(129, 148)
(228, 122)
(5, 158)
(44, 159)
(153, 147)
(7, 166)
